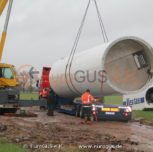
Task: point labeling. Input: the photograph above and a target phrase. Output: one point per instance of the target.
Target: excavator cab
(7, 76)
(9, 92)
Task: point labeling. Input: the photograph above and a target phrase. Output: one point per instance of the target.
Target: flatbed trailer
(100, 111)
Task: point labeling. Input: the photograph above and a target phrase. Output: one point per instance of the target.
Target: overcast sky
(43, 31)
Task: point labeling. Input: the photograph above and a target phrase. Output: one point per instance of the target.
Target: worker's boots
(91, 118)
(85, 119)
(50, 113)
(88, 120)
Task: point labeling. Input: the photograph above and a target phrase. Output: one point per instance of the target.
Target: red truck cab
(44, 85)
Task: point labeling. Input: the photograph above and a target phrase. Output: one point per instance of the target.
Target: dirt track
(64, 131)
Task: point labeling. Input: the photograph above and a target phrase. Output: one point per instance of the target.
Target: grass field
(8, 147)
(113, 100)
(146, 115)
(29, 96)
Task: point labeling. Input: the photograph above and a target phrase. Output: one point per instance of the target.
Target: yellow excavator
(9, 93)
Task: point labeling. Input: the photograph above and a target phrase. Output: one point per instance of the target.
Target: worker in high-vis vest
(87, 100)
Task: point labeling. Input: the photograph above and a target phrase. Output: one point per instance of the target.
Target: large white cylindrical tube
(118, 67)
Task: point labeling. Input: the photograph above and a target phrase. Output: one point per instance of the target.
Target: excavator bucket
(2, 5)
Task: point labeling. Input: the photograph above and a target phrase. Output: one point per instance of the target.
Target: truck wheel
(81, 113)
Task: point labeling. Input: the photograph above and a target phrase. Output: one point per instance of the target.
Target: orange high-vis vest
(86, 98)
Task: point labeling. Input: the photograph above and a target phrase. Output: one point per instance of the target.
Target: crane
(9, 93)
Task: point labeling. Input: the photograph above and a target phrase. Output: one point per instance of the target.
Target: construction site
(98, 97)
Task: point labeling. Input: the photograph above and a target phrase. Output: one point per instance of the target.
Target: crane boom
(2, 5)
(3, 38)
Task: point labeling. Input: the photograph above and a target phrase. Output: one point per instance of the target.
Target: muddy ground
(63, 132)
